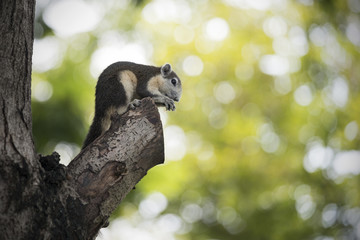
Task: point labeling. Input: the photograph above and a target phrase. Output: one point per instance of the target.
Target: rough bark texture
(40, 198)
(81, 196)
(19, 166)
(132, 146)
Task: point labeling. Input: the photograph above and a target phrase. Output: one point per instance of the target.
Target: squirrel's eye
(173, 81)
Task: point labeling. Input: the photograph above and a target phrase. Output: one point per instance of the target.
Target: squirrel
(121, 86)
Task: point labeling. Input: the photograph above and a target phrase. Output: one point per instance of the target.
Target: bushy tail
(94, 132)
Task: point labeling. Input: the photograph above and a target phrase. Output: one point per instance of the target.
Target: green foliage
(264, 143)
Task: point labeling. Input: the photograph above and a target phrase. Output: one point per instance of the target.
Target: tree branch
(103, 173)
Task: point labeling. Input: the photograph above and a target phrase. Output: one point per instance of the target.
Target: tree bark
(40, 198)
(19, 166)
(85, 193)
(108, 169)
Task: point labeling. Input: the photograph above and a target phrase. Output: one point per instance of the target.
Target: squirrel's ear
(165, 70)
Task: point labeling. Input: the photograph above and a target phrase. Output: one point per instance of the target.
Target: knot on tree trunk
(55, 172)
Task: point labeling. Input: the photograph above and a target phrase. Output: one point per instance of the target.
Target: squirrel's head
(170, 84)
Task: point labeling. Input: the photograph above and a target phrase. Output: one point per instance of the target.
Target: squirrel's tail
(94, 132)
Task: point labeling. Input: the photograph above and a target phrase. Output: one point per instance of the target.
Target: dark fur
(111, 93)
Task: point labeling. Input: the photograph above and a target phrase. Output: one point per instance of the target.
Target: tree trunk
(40, 198)
(19, 165)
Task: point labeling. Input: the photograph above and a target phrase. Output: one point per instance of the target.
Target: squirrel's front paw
(135, 103)
(169, 104)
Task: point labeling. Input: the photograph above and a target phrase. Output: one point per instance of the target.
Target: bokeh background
(264, 143)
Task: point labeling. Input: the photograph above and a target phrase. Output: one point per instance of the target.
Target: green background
(264, 143)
